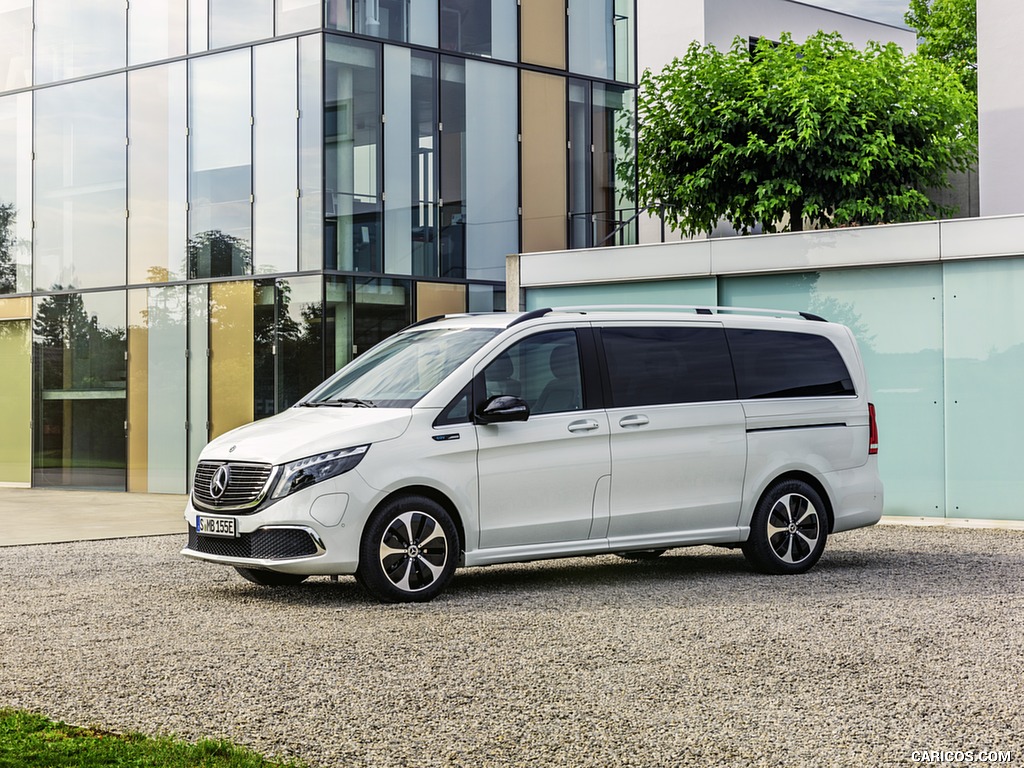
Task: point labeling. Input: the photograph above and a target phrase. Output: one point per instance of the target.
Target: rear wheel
(271, 578)
(788, 529)
(409, 551)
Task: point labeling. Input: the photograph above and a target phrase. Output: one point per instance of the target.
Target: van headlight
(296, 475)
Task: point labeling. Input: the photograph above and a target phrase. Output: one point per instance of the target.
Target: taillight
(873, 437)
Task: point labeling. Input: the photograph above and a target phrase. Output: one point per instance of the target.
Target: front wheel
(409, 551)
(788, 529)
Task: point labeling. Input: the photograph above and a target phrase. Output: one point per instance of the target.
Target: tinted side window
(779, 364)
(543, 369)
(648, 366)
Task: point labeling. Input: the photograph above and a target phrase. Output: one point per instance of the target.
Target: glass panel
(240, 21)
(481, 27)
(156, 30)
(275, 208)
(492, 169)
(16, 193)
(405, 20)
(80, 185)
(434, 299)
(15, 44)
(220, 153)
(452, 243)
(581, 232)
(543, 35)
(337, 323)
(353, 157)
(74, 38)
(486, 298)
(16, 392)
(339, 15)
(157, 168)
(410, 179)
(984, 357)
(198, 26)
(157, 386)
(79, 342)
(544, 162)
(288, 340)
(231, 356)
(198, 372)
(614, 160)
(382, 308)
(311, 111)
(545, 368)
(601, 38)
(297, 15)
(896, 315)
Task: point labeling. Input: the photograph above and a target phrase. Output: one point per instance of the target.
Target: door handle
(634, 421)
(585, 425)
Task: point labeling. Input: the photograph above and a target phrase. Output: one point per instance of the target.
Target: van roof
(609, 311)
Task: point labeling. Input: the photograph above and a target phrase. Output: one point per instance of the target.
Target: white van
(495, 438)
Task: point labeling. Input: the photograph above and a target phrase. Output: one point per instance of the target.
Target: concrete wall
(1000, 107)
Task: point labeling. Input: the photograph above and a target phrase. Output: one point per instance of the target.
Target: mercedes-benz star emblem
(219, 481)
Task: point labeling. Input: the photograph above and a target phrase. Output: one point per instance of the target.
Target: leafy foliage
(819, 131)
(948, 31)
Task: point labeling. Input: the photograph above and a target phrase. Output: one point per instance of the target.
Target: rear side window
(780, 364)
(651, 366)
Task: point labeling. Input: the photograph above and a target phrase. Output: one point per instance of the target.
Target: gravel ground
(901, 639)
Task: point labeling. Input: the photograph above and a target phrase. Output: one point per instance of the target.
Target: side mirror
(503, 408)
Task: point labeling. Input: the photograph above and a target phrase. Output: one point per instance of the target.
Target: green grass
(32, 741)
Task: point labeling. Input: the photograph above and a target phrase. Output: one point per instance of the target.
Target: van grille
(246, 485)
(264, 544)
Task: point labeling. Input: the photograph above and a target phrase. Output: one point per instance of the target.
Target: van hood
(300, 432)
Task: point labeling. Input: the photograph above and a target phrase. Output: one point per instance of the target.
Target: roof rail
(696, 309)
(529, 316)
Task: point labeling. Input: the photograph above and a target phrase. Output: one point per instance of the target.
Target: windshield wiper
(342, 402)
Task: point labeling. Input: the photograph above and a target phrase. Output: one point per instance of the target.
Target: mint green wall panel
(700, 291)
(984, 342)
(896, 314)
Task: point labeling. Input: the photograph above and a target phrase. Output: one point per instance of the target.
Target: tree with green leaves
(947, 30)
(819, 132)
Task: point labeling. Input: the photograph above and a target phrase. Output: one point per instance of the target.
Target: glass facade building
(207, 206)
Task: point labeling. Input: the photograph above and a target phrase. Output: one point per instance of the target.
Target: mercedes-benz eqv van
(471, 440)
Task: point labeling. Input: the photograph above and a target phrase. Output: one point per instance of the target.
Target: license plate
(216, 526)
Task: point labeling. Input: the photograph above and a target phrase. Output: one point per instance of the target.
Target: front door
(541, 479)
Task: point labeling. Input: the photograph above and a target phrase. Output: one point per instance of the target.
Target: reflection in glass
(479, 169)
(157, 386)
(614, 203)
(157, 153)
(297, 15)
(80, 184)
(601, 39)
(240, 21)
(220, 156)
(16, 193)
(156, 30)
(311, 111)
(15, 44)
(75, 38)
(288, 324)
(79, 352)
(275, 208)
(481, 27)
(412, 21)
(352, 156)
(410, 135)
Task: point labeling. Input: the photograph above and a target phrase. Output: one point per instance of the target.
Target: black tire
(788, 529)
(642, 554)
(409, 551)
(271, 578)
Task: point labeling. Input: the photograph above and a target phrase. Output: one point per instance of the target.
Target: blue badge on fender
(453, 436)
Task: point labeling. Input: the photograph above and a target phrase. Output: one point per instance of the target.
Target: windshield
(399, 371)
